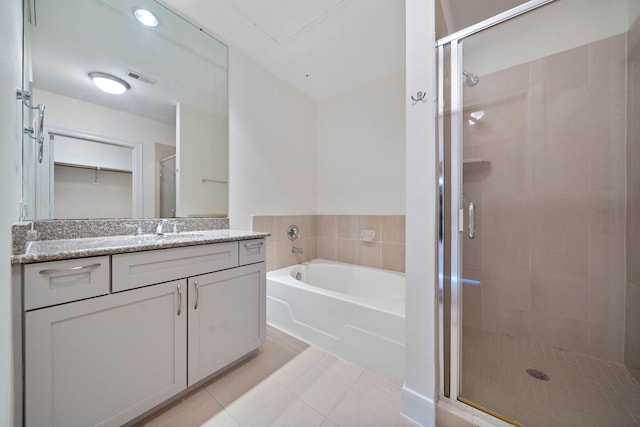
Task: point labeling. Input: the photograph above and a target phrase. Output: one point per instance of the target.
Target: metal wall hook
(420, 96)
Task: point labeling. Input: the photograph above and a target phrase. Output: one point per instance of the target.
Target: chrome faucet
(296, 250)
(161, 224)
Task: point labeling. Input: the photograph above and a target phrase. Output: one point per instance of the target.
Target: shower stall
(539, 251)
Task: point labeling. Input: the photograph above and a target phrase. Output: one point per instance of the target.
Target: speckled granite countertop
(52, 250)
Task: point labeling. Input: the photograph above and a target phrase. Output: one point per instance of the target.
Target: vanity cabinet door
(104, 361)
(226, 318)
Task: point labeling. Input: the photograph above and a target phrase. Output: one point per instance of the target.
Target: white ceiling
(325, 47)
(339, 44)
(71, 38)
(321, 47)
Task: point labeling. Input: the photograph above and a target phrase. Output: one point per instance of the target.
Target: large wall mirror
(159, 149)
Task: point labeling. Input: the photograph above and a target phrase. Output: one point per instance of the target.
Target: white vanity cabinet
(58, 282)
(169, 319)
(106, 360)
(227, 317)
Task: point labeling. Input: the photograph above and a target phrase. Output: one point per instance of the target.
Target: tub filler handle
(195, 286)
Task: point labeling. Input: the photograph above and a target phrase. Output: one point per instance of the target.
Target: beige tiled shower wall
(337, 238)
(632, 312)
(549, 254)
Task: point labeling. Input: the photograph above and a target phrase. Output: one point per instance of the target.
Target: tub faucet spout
(296, 250)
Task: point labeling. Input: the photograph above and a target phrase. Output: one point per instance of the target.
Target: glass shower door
(542, 121)
(496, 123)
(168, 187)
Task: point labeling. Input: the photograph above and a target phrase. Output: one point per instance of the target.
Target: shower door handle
(472, 220)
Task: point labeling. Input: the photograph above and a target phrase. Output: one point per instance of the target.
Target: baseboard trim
(418, 408)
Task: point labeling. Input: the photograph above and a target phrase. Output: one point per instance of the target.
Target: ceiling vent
(140, 77)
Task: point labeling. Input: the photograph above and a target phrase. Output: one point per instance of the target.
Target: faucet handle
(138, 231)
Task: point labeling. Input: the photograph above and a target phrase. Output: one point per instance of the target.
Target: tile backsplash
(336, 238)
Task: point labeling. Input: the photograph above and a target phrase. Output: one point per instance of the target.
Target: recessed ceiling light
(145, 17)
(108, 83)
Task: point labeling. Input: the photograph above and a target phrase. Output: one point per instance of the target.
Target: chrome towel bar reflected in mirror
(25, 96)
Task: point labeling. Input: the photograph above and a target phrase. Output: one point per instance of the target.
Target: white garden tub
(353, 311)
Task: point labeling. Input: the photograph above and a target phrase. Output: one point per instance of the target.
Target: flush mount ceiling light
(108, 83)
(145, 17)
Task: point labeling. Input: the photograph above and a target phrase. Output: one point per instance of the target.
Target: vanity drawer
(252, 251)
(133, 270)
(57, 282)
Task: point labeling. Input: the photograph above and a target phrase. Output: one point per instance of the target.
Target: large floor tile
(286, 410)
(195, 409)
(325, 384)
(288, 383)
(289, 372)
(234, 384)
(243, 408)
(372, 401)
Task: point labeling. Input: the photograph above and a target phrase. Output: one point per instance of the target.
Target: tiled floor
(582, 392)
(290, 384)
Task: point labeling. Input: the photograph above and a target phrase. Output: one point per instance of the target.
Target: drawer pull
(179, 300)
(195, 283)
(71, 269)
(253, 245)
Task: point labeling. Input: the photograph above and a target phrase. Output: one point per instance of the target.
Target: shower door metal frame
(456, 214)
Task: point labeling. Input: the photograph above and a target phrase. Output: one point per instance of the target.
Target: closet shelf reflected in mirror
(93, 168)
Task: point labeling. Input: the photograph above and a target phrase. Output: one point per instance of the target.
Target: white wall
(419, 394)
(77, 197)
(71, 114)
(361, 149)
(10, 160)
(272, 143)
(90, 153)
(202, 153)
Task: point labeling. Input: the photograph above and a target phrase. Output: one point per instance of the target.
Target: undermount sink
(185, 235)
(173, 236)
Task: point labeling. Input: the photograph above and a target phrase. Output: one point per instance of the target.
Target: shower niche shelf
(477, 164)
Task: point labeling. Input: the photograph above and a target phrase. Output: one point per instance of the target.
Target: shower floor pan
(581, 391)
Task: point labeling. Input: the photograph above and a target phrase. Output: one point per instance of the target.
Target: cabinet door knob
(195, 284)
(179, 300)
